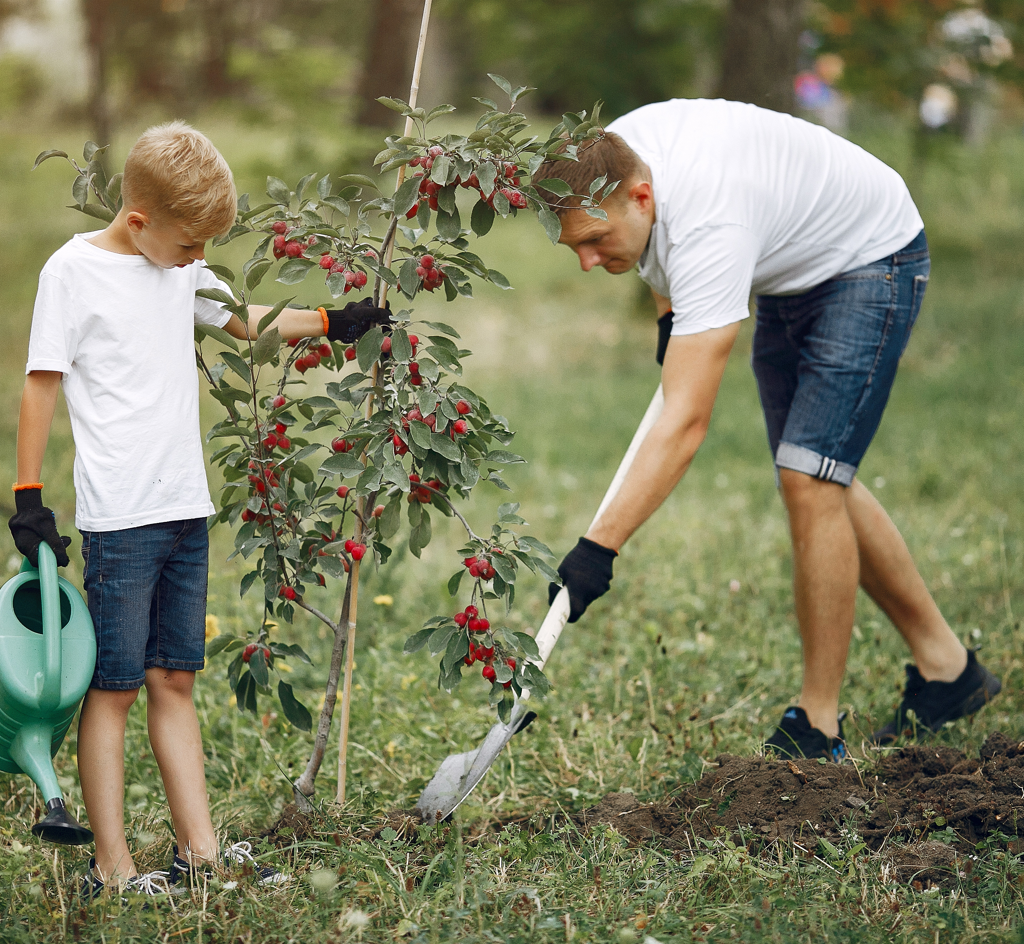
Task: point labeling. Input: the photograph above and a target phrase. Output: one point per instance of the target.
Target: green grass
(668, 666)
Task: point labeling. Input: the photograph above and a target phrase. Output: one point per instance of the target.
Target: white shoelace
(151, 883)
(241, 852)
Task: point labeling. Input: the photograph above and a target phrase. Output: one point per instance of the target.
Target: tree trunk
(97, 18)
(387, 68)
(217, 27)
(759, 61)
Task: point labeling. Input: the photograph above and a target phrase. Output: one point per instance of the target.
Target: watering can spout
(61, 827)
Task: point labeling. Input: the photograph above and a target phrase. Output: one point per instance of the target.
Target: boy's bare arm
(291, 323)
(38, 401)
(347, 325)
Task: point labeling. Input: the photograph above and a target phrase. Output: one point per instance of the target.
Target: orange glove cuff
(326, 320)
(22, 488)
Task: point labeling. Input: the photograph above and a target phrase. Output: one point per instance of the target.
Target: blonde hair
(175, 172)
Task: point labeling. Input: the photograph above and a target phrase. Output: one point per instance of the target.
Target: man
(717, 199)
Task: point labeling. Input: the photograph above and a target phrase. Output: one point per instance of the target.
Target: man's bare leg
(101, 771)
(825, 577)
(178, 748)
(889, 576)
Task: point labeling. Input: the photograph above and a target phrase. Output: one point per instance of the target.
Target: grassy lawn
(670, 668)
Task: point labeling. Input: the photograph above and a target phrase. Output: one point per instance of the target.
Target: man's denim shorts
(825, 361)
(147, 597)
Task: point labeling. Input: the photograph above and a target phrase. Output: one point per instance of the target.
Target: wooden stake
(350, 644)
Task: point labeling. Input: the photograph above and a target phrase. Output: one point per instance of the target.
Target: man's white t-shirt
(748, 199)
(120, 329)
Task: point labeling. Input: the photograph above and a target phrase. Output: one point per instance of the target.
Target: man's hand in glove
(353, 321)
(32, 524)
(587, 573)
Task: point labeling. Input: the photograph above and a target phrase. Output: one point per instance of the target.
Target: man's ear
(642, 194)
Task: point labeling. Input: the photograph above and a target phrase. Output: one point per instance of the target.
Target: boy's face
(163, 242)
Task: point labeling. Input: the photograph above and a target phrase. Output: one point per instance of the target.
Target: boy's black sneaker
(237, 855)
(795, 738)
(935, 703)
(154, 884)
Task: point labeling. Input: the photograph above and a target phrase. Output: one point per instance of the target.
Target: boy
(113, 321)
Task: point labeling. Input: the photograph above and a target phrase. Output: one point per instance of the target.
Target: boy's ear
(136, 220)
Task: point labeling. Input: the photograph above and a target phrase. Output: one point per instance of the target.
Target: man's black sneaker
(935, 703)
(154, 884)
(795, 738)
(182, 872)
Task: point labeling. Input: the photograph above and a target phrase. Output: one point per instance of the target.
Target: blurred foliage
(626, 54)
(893, 49)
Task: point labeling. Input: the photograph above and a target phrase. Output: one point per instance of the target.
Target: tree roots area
(924, 810)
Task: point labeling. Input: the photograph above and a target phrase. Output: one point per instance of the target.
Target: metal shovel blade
(460, 773)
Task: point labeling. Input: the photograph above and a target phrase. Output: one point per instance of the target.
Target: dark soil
(910, 794)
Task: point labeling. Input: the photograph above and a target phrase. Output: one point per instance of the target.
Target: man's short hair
(606, 156)
(174, 172)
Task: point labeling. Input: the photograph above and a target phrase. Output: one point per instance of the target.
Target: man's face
(164, 242)
(615, 244)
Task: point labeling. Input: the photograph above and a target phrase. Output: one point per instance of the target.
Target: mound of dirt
(910, 793)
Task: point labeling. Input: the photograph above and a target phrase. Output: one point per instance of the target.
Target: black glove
(34, 523)
(355, 319)
(587, 572)
(664, 333)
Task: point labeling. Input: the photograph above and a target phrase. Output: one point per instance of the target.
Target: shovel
(459, 774)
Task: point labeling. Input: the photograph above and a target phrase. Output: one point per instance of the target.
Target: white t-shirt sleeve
(54, 338)
(208, 311)
(709, 274)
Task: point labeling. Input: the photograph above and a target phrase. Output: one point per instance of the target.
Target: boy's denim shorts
(147, 598)
(825, 361)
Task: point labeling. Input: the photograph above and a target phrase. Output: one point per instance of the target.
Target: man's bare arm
(693, 370)
(291, 323)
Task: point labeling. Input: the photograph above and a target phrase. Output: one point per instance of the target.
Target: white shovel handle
(558, 614)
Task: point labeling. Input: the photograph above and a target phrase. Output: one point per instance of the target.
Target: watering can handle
(49, 593)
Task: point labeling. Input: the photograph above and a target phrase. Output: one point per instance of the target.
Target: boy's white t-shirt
(748, 199)
(120, 329)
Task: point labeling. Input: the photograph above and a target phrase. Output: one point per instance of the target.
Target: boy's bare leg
(888, 574)
(825, 578)
(101, 770)
(178, 748)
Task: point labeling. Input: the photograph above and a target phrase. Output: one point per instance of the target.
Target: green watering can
(47, 656)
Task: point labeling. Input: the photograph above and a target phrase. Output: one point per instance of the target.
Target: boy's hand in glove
(353, 321)
(587, 573)
(34, 523)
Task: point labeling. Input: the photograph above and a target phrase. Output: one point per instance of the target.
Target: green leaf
(456, 650)
(255, 275)
(91, 149)
(258, 668)
(97, 211)
(266, 347)
(551, 223)
(482, 218)
(501, 82)
(504, 568)
(239, 365)
(401, 348)
(406, 196)
(218, 644)
(556, 186)
(539, 546)
(455, 580)
(271, 315)
(296, 713)
(300, 187)
(217, 295)
(493, 275)
(295, 270)
(442, 445)
(278, 191)
(503, 457)
(344, 464)
(420, 434)
(528, 644)
(417, 641)
(449, 225)
(293, 651)
(446, 329)
(323, 187)
(368, 348)
(391, 520)
(597, 213)
(395, 104)
(357, 180)
(46, 155)
(437, 642)
(485, 174)
(218, 334)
